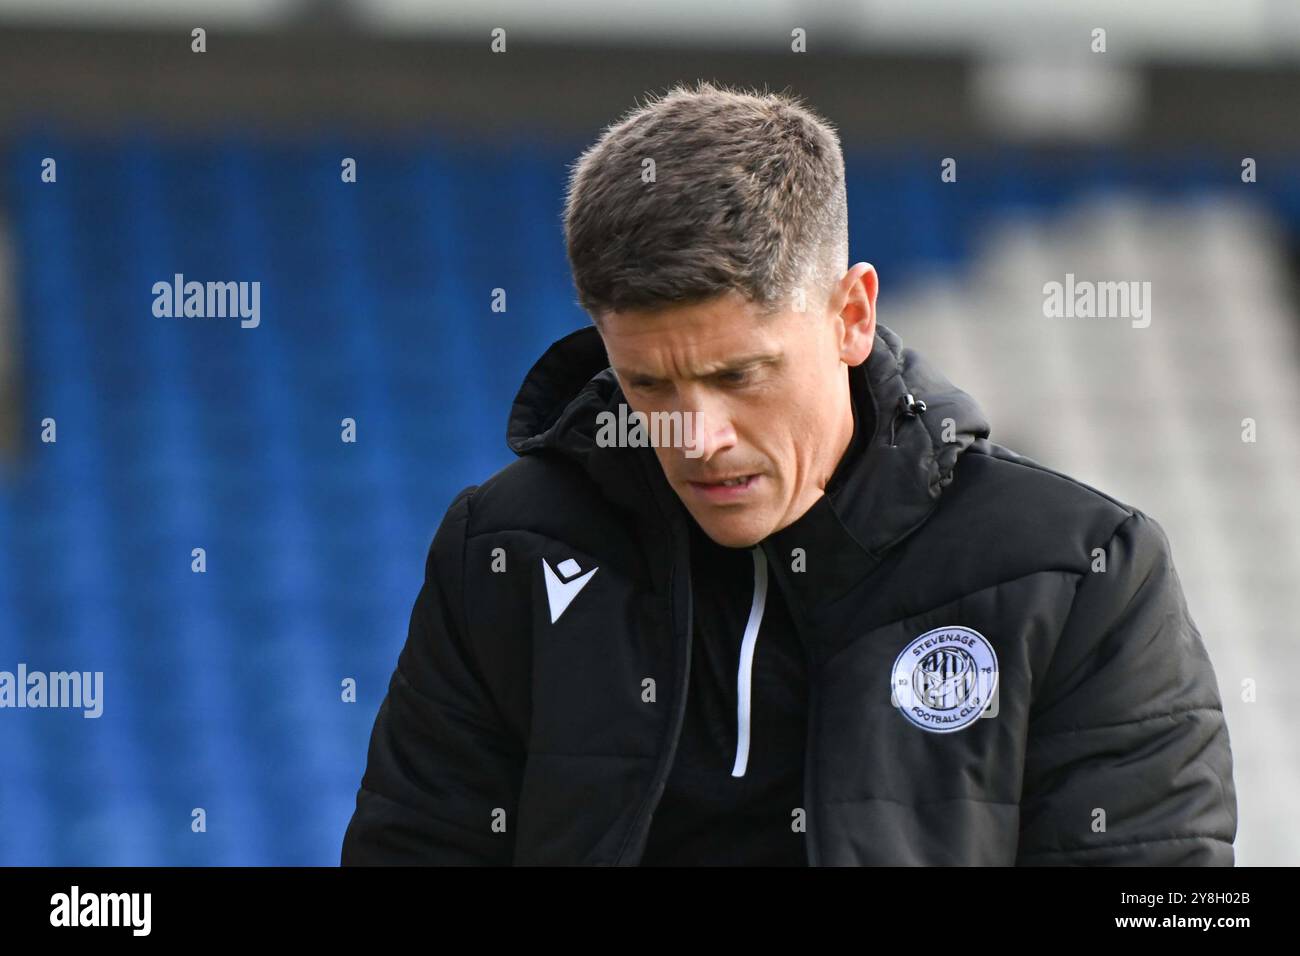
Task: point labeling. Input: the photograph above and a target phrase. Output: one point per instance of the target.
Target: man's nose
(713, 430)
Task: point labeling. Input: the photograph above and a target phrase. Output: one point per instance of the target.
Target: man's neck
(844, 442)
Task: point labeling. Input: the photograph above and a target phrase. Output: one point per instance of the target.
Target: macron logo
(562, 588)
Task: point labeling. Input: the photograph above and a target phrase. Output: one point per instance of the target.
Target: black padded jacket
(1000, 662)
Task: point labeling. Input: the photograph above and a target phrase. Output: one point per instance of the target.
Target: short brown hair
(747, 195)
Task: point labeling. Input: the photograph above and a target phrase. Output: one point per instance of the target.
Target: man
(836, 626)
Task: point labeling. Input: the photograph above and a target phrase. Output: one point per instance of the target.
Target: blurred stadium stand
(222, 689)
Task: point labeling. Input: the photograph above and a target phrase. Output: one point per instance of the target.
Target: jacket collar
(919, 422)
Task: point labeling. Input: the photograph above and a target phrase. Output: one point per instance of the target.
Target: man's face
(769, 394)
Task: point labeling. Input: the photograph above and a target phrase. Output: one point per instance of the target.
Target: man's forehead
(700, 368)
(691, 341)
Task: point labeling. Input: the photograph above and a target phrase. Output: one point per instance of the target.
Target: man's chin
(733, 530)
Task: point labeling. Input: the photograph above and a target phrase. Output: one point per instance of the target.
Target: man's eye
(734, 378)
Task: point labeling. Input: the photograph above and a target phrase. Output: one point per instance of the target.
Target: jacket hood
(887, 491)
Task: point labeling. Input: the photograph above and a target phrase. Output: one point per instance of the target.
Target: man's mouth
(731, 488)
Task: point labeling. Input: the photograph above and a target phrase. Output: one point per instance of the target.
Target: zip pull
(907, 406)
(745, 673)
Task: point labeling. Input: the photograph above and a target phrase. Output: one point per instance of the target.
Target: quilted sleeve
(1128, 759)
(442, 775)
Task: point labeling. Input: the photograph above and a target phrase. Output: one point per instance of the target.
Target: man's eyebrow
(710, 370)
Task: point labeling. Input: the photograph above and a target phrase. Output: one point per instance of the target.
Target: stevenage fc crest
(945, 679)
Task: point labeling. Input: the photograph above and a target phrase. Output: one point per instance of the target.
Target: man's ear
(858, 312)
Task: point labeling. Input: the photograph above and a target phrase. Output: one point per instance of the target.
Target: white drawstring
(747, 662)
